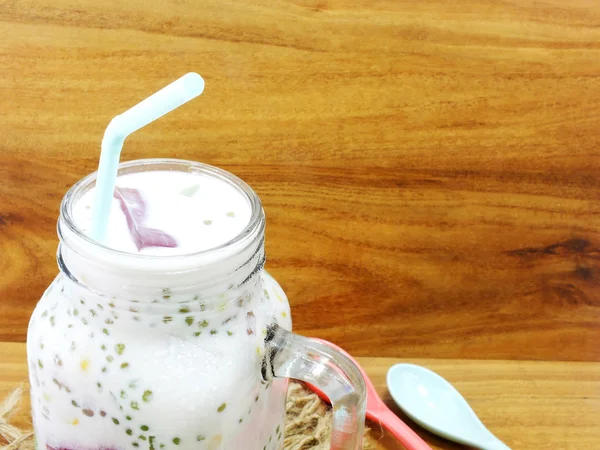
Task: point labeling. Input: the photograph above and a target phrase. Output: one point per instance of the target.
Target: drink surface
(197, 211)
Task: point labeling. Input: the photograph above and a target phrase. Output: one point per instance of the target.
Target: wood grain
(429, 170)
(529, 405)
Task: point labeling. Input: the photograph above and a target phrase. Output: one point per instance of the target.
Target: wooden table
(429, 169)
(530, 405)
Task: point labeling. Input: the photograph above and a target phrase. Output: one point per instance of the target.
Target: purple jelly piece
(134, 207)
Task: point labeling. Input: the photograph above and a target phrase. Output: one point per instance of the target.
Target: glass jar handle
(289, 355)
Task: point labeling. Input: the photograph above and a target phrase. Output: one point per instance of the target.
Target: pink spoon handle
(397, 428)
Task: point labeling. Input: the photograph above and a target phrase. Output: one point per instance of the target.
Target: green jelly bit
(189, 320)
(147, 396)
(135, 406)
(144, 428)
(115, 421)
(120, 348)
(176, 441)
(222, 407)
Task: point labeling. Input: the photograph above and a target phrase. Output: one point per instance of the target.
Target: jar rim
(255, 223)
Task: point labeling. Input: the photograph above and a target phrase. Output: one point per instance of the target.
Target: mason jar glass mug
(173, 351)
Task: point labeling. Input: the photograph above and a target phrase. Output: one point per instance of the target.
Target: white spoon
(435, 404)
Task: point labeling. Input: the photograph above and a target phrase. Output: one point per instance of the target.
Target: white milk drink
(154, 340)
